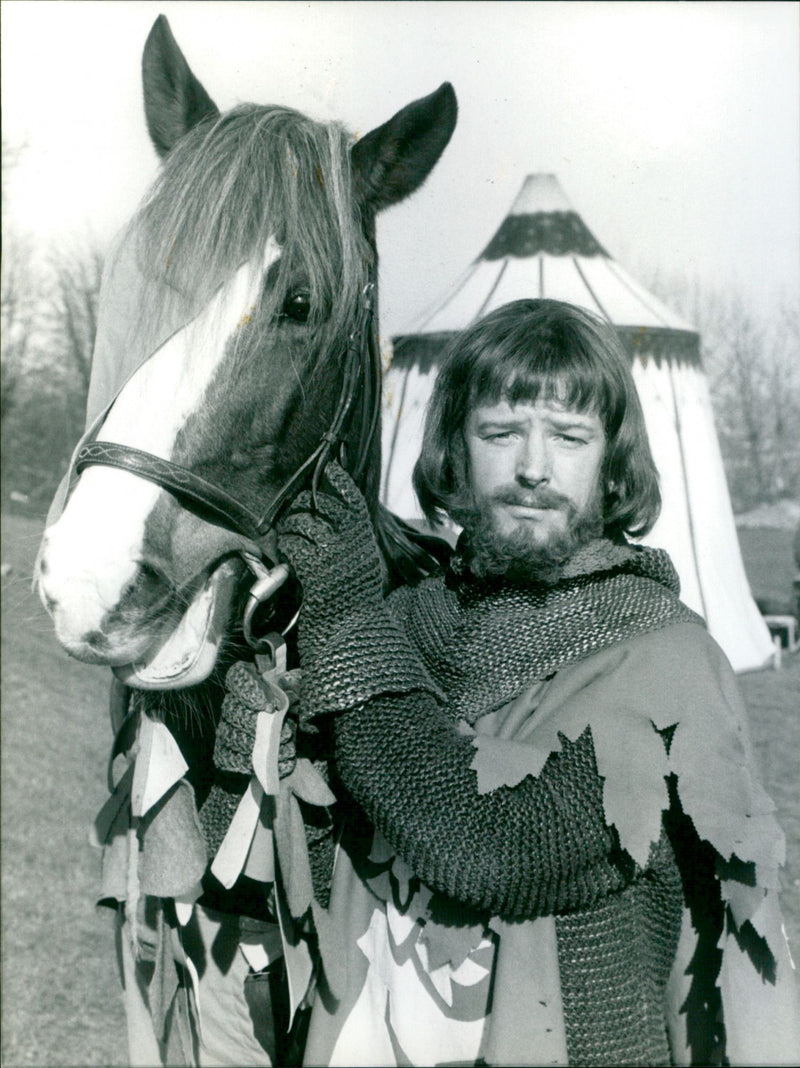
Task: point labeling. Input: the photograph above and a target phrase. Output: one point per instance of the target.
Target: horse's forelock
(229, 186)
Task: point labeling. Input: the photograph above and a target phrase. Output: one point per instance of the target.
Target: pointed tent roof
(543, 248)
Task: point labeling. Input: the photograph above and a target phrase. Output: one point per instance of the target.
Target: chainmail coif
(484, 640)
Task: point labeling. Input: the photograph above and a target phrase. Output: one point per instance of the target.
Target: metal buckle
(271, 663)
(268, 582)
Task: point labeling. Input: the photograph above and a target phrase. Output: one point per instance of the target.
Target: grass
(61, 1001)
(61, 1004)
(770, 565)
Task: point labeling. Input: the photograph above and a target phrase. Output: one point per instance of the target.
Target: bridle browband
(215, 503)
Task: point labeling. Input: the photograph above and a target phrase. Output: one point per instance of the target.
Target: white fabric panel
(624, 303)
(665, 316)
(605, 288)
(519, 278)
(458, 309)
(540, 193)
(672, 531)
(494, 283)
(406, 393)
(563, 282)
(396, 1007)
(696, 526)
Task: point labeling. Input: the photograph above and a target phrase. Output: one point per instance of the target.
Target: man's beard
(519, 556)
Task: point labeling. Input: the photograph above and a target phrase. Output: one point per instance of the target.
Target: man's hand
(331, 545)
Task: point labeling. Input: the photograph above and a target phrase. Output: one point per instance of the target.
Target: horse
(237, 353)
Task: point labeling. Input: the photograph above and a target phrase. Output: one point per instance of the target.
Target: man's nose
(534, 461)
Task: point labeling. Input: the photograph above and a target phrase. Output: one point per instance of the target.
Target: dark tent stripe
(557, 233)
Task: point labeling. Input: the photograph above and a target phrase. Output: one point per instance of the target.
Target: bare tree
(48, 320)
(76, 287)
(17, 314)
(17, 296)
(742, 389)
(753, 365)
(49, 323)
(783, 392)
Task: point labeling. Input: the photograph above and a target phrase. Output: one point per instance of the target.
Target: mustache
(543, 497)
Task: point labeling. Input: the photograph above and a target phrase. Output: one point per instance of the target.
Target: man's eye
(297, 307)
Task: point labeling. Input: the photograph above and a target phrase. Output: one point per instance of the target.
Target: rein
(211, 501)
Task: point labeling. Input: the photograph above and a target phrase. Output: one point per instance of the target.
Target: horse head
(236, 305)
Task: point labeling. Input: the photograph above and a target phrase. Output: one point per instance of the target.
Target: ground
(61, 1004)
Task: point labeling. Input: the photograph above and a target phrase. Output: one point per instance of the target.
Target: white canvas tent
(544, 249)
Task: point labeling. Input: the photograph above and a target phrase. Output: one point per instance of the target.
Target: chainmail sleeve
(536, 849)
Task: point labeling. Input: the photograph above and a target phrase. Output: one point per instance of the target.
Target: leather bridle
(212, 502)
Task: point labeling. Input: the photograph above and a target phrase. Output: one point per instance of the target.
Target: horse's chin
(188, 654)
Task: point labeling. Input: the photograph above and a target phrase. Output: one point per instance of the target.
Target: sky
(673, 127)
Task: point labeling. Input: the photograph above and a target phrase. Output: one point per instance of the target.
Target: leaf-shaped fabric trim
(633, 762)
(627, 694)
(450, 944)
(762, 1023)
(266, 748)
(173, 850)
(110, 832)
(231, 856)
(159, 765)
(292, 851)
(114, 817)
(164, 981)
(305, 783)
(296, 953)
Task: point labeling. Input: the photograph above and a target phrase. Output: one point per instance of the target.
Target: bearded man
(556, 850)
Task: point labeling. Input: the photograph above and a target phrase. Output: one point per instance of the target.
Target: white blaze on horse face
(169, 387)
(92, 553)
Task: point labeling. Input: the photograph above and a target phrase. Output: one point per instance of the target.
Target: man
(572, 861)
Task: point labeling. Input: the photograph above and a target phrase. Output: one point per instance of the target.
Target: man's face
(534, 468)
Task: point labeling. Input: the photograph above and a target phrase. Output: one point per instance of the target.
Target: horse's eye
(298, 307)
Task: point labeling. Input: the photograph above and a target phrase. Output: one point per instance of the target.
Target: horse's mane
(231, 184)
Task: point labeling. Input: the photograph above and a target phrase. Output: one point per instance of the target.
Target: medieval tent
(544, 249)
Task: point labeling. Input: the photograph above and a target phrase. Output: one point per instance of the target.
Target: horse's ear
(174, 100)
(395, 159)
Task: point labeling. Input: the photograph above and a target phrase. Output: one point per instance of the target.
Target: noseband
(212, 502)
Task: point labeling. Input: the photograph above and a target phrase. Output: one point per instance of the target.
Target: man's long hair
(547, 350)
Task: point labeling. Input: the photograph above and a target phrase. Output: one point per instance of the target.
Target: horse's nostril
(50, 603)
(96, 639)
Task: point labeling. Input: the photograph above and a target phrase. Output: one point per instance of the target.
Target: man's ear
(174, 100)
(394, 160)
